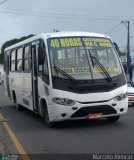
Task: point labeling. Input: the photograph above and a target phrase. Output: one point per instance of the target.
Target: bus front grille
(104, 109)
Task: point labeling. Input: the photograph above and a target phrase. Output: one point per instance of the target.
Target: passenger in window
(84, 60)
(19, 65)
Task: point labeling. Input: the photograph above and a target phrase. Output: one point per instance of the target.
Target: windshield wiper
(64, 73)
(58, 70)
(101, 66)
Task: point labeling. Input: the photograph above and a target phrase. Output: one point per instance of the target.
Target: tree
(11, 42)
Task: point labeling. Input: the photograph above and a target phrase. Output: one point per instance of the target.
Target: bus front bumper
(59, 112)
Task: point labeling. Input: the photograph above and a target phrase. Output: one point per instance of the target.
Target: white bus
(66, 76)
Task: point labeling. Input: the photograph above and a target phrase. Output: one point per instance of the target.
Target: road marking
(15, 140)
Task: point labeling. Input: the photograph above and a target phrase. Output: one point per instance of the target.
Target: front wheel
(113, 119)
(132, 104)
(46, 118)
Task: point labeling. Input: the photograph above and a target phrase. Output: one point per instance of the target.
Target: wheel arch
(42, 104)
(14, 96)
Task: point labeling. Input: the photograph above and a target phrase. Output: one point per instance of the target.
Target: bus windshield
(83, 58)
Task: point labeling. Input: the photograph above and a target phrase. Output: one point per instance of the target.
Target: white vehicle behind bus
(67, 75)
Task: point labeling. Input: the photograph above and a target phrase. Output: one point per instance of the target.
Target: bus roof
(69, 33)
(57, 34)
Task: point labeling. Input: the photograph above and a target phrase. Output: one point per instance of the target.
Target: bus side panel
(27, 96)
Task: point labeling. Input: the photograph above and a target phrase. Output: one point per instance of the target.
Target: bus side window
(6, 62)
(27, 59)
(43, 66)
(46, 71)
(13, 59)
(19, 59)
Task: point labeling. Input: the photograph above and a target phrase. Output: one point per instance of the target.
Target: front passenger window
(43, 67)
(46, 71)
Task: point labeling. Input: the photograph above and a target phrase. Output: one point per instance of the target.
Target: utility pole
(127, 25)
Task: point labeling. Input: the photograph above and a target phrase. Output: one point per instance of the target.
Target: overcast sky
(23, 17)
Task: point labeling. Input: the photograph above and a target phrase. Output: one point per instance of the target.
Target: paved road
(97, 136)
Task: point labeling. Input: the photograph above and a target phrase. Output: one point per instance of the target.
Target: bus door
(35, 76)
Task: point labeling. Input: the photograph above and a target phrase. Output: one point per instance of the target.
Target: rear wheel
(113, 119)
(17, 106)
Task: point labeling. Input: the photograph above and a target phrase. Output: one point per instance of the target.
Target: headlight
(63, 101)
(121, 97)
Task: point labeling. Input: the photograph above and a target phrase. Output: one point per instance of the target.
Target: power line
(61, 14)
(61, 17)
(111, 30)
(57, 15)
(3, 2)
(37, 11)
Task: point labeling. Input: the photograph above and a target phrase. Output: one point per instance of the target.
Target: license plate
(95, 116)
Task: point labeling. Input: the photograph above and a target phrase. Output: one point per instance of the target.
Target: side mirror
(116, 47)
(41, 55)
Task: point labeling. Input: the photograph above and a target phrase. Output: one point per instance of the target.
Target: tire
(46, 118)
(113, 119)
(132, 104)
(18, 107)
